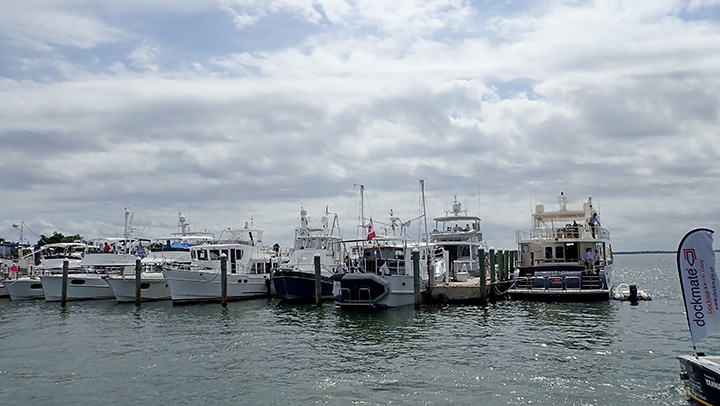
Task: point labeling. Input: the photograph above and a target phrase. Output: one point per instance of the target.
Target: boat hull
(373, 291)
(571, 284)
(299, 286)
(153, 286)
(81, 286)
(701, 376)
(25, 288)
(192, 286)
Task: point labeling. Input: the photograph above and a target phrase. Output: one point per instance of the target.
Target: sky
(235, 111)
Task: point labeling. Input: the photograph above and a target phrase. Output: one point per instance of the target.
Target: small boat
(50, 259)
(385, 274)
(700, 373)
(458, 233)
(170, 250)
(564, 257)
(631, 293)
(102, 257)
(295, 279)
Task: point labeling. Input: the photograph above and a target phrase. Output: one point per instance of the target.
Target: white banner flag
(699, 282)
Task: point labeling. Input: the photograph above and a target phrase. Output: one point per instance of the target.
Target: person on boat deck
(589, 257)
(596, 257)
(5, 271)
(593, 222)
(14, 271)
(106, 248)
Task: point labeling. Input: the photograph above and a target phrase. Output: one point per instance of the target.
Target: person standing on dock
(593, 222)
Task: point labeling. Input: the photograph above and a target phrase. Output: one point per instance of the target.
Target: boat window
(239, 254)
(548, 252)
(77, 282)
(214, 255)
(202, 255)
(559, 252)
(227, 253)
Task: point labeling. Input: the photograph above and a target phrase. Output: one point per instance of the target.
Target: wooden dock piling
(223, 280)
(63, 295)
(138, 291)
(416, 276)
(318, 280)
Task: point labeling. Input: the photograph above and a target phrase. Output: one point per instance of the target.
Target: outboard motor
(633, 298)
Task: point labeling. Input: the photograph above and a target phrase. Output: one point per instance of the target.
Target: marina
(265, 352)
(384, 289)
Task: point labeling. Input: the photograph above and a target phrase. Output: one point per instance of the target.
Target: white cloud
(299, 101)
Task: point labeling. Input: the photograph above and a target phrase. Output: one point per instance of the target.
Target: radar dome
(539, 208)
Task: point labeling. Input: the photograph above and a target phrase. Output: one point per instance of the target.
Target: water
(261, 352)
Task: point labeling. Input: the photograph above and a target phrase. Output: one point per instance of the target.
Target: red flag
(371, 230)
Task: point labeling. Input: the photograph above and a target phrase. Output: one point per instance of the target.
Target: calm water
(260, 352)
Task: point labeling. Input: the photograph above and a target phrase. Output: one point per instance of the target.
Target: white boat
(103, 256)
(3, 290)
(552, 265)
(459, 234)
(385, 274)
(153, 286)
(50, 260)
(628, 292)
(249, 266)
(700, 373)
(294, 280)
(171, 250)
(81, 286)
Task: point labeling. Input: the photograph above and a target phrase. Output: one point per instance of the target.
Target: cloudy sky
(231, 110)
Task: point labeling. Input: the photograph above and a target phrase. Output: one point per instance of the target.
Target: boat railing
(567, 232)
(547, 282)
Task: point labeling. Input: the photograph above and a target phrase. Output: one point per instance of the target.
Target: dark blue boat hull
(300, 286)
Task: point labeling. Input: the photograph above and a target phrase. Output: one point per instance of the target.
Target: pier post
(318, 281)
(511, 267)
(493, 258)
(416, 276)
(63, 295)
(483, 275)
(503, 265)
(223, 280)
(138, 271)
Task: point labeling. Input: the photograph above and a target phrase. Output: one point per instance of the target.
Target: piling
(511, 266)
(483, 275)
(416, 276)
(223, 280)
(63, 295)
(138, 271)
(318, 281)
(502, 256)
(492, 257)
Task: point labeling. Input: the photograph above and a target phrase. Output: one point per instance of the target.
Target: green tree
(58, 238)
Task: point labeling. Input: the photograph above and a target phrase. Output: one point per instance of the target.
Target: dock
(468, 291)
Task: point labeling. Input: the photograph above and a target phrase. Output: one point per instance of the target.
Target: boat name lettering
(712, 384)
(696, 297)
